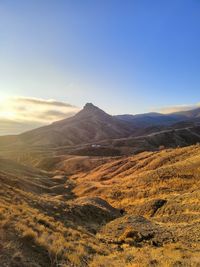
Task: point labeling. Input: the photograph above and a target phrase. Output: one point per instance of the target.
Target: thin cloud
(38, 101)
(178, 108)
(18, 114)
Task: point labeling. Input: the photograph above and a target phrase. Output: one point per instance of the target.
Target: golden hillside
(141, 210)
(127, 181)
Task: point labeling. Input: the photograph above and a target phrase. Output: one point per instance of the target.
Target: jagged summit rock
(90, 110)
(89, 106)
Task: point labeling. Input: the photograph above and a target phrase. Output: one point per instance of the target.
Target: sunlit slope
(142, 210)
(161, 186)
(129, 180)
(41, 221)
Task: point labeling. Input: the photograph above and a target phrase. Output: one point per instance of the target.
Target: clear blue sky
(125, 56)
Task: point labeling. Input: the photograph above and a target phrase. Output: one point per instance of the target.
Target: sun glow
(6, 111)
(7, 114)
(3, 97)
(33, 110)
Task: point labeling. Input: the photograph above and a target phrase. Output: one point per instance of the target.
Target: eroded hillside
(141, 210)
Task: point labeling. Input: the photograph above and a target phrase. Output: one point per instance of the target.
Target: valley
(89, 211)
(99, 133)
(127, 201)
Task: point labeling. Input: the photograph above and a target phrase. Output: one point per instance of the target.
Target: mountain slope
(49, 219)
(89, 125)
(92, 125)
(192, 114)
(143, 176)
(168, 138)
(41, 224)
(161, 186)
(159, 119)
(151, 119)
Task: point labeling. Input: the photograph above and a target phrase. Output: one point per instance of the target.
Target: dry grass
(59, 243)
(128, 181)
(169, 255)
(40, 226)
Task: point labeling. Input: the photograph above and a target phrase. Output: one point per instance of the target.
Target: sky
(130, 56)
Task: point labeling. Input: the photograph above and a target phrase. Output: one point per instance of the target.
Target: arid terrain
(140, 210)
(98, 205)
(99, 133)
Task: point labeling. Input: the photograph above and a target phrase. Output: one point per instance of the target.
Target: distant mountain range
(92, 125)
(153, 119)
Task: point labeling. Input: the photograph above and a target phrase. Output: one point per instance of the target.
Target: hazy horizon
(21, 114)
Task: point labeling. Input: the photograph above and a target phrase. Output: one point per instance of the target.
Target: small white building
(95, 146)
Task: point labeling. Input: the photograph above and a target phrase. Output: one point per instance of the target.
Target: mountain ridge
(92, 125)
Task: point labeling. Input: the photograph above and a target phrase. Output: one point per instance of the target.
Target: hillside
(122, 134)
(152, 119)
(167, 171)
(95, 190)
(41, 221)
(191, 114)
(89, 125)
(161, 186)
(140, 210)
(156, 119)
(179, 136)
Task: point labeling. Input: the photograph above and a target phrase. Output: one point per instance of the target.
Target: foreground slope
(127, 180)
(141, 210)
(41, 223)
(162, 186)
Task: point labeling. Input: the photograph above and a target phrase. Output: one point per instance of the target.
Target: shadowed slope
(41, 224)
(89, 125)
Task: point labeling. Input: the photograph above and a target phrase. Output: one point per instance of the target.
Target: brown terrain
(141, 210)
(93, 132)
(89, 205)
